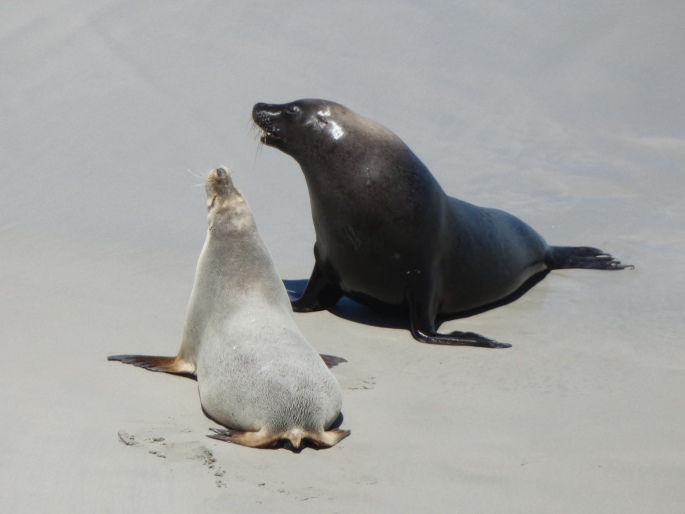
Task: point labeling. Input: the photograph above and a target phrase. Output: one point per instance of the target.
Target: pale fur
(256, 372)
(255, 369)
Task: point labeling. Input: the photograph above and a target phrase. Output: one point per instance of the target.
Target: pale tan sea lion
(256, 372)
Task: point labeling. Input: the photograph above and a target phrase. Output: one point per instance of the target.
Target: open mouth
(270, 134)
(269, 137)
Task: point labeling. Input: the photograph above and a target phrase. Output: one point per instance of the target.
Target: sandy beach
(568, 115)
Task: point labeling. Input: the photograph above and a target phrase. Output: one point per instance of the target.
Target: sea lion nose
(259, 109)
(262, 111)
(221, 172)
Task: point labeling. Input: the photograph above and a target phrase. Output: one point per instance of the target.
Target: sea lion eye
(292, 109)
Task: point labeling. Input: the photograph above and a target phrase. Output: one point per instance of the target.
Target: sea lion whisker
(197, 176)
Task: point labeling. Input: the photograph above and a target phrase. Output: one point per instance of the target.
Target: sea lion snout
(264, 114)
(268, 118)
(219, 177)
(219, 183)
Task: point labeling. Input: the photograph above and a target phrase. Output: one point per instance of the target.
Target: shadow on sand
(388, 317)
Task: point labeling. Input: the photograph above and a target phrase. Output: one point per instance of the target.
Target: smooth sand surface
(569, 115)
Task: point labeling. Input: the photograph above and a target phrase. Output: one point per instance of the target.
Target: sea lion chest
(377, 224)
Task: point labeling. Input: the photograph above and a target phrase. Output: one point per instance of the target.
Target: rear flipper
(293, 438)
(585, 257)
(154, 363)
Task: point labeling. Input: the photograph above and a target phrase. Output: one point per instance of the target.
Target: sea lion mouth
(267, 122)
(269, 137)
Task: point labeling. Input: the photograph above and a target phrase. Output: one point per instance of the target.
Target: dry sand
(569, 115)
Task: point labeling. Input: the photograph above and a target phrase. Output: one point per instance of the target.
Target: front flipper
(319, 294)
(456, 338)
(331, 360)
(174, 365)
(422, 321)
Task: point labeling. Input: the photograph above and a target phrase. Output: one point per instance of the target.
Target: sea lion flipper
(472, 339)
(328, 438)
(331, 360)
(225, 435)
(261, 439)
(457, 339)
(583, 257)
(423, 328)
(155, 363)
(292, 438)
(319, 294)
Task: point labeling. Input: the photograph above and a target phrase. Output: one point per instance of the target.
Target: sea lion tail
(154, 363)
(585, 257)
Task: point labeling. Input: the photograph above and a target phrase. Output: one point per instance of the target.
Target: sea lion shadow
(386, 317)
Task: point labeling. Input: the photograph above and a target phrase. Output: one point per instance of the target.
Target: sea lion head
(303, 128)
(228, 210)
(318, 132)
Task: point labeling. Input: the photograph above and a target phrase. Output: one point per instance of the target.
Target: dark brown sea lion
(388, 235)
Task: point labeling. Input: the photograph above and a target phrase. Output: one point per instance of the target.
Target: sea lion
(256, 372)
(387, 235)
